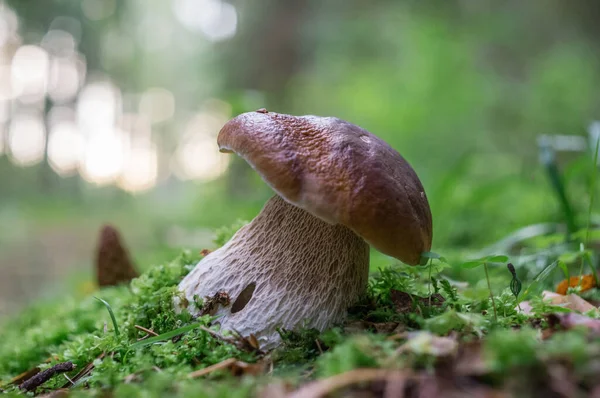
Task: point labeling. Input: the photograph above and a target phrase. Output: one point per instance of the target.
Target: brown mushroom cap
(339, 172)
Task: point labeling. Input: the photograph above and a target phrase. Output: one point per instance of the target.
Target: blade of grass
(548, 159)
(592, 191)
(592, 196)
(167, 335)
(112, 315)
(496, 259)
(588, 257)
(541, 276)
(564, 269)
(487, 277)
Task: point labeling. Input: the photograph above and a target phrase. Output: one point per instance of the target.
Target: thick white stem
(286, 268)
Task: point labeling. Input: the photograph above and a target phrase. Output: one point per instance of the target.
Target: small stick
(143, 329)
(67, 377)
(25, 376)
(83, 372)
(221, 365)
(319, 346)
(42, 377)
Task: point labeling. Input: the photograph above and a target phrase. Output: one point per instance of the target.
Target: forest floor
(495, 326)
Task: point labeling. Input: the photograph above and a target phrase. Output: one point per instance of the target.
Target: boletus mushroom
(305, 258)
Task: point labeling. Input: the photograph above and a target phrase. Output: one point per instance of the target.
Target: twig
(42, 377)
(25, 376)
(319, 346)
(83, 372)
(143, 329)
(228, 340)
(215, 334)
(324, 387)
(221, 365)
(67, 377)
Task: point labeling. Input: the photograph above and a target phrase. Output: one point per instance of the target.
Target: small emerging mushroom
(113, 265)
(305, 259)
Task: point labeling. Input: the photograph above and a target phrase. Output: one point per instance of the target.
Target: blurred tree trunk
(265, 54)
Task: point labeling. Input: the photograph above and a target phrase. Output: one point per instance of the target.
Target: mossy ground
(414, 320)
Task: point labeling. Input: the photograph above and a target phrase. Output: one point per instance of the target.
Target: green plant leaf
(112, 315)
(588, 257)
(472, 264)
(515, 287)
(430, 255)
(496, 259)
(541, 276)
(545, 272)
(166, 336)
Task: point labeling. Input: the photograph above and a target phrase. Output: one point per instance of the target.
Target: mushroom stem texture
(287, 268)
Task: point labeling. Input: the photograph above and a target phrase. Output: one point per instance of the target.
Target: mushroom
(305, 258)
(113, 265)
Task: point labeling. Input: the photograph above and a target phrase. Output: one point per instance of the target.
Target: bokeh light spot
(65, 148)
(27, 139)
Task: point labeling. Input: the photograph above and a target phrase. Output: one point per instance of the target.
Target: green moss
(79, 331)
(223, 234)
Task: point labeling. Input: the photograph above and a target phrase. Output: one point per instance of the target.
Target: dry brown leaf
(572, 319)
(405, 302)
(571, 301)
(211, 304)
(254, 342)
(429, 344)
(322, 388)
(470, 360)
(221, 365)
(585, 282)
(377, 327)
(595, 393)
(237, 368)
(274, 390)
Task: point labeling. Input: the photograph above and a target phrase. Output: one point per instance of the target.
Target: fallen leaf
(595, 393)
(209, 369)
(240, 368)
(211, 304)
(426, 343)
(323, 388)
(254, 342)
(405, 302)
(377, 327)
(470, 360)
(274, 390)
(236, 367)
(571, 301)
(586, 282)
(571, 319)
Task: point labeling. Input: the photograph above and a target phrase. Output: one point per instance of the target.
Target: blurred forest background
(109, 112)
